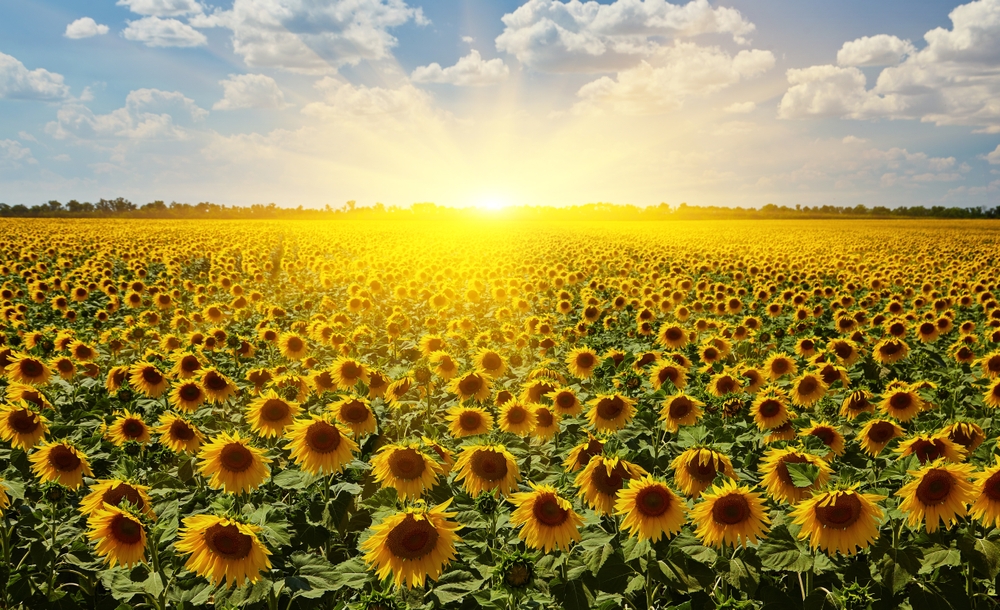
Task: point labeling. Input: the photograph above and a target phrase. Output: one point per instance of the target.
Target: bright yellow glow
(492, 203)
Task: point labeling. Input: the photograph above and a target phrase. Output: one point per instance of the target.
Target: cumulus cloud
(676, 72)
(157, 32)
(311, 36)
(85, 27)
(13, 154)
(162, 8)
(880, 50)
(951, 81)
(148, 114)
(344, 100)
(469, 71)
(250, 91)
(574, 36)
(994, 157)
(740, 108)
(17, 82)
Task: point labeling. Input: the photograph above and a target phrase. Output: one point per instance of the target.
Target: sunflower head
(119, 535)
(406, 469)
(547, 520)
(938, 494)
(610, 412)
(320, 446)
(839, 520)
(730, 515)
(233, 464)
(650, 509)
(413, 545)
(222, 549)
(696, 469)
(487, 468)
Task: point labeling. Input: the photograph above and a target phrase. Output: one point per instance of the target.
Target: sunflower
(827, 433)
(806, 347)
(490, 362)
(901, 403)
(113, 492)
(128, 427)
(668, 371)
(581, 455)
(118, 376)
(845, 350)
(270, 414)
(730, 515)
(779, 483)
(546, 422)
(187, 396)
(992, 396)
(967, 434)
(769, 410)
(64, 366)
(890, 350)
(856, 403)
(486, 468)
(30, 394)
(60, 463)
(724, 383)
(650, 509)
(347, 372)
(840, 520)
(602, 479)
(429, 344)
(472, 385)
(292, 346)
(444, 366)
(120, 536)
(356, 414)
(412, 545)
(581, 362)
(469, 421)
(986, 507)
(148, 379)
(695, 469)
(990, 364)
(82, 352)
(21, 426)
(672, 336)
(831, 374)
(548, 521)
(754, 379)
(445, 456)
(186, 365)
(610, 412)
(222, 549)
(218, 388)
(876, 434)
(778, 365)
(929, 447)
(4, 499)
(319, 446)
(395, 391)
(179, 434)
(939, 493)
(680, 410)
(807, 389)
(517, 418)
(233, 464)
(406, 469)
(28, 370)
(565, 402)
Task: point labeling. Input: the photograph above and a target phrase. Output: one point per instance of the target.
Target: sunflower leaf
(802, 475)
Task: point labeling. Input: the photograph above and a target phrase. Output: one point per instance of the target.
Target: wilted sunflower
(581, 455)
(120, 536)
(650, 509)
(610, 412)
(292, 346)
(779, 483)
(876, 434)
(856, 403)
(902, 403)
(827, 433)
(565, 402)
(356, 414)
(939, 493)
(890, 350)
(581, 362)
(930, 447)
(147, 379)
(695, 469)
(232, 464)
(769, 409)
(548, 521)
(60, 462)
(21, 426)
(486, 468)
(28, 370)
(807, 389)
(406, 469)
(270, 414)
(412, 545)
(602, 479)
(967, 434)
(472, 386)
(680, 410)
(115, 492)
(517, 418)
(840, 520)
(469, 421)
(179, 434)
(128, 427)
(730, 515)
(222, 549)
(319, 446)
(347, 372)
(986, 507)
(218, 388)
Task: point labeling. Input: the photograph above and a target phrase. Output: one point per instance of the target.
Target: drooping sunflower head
(840, 520)
(680, 410)
(120, 535)
(60, 462)
(412, 545)
(856, 403)
(319, 446)
(930, 447)
(406, 469)
(233, 464)
(610, 412)
(781, 485)
(938, 494)
(116, 492)
(876, 434)
(179, 434)
(695, 469)
(469, 421)
(547, 520)
(581, 455)
(969, 435)
(730, 515)
(223, 550)
(650, 509)
(487, 468)
(602, 479)
(269, 414)
(128, 427)
(21, 425)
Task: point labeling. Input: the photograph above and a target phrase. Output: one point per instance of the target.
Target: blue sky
(485, 102)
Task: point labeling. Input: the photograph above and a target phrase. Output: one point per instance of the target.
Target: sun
(492, 203)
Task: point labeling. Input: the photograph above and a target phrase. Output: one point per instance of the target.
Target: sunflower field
(423, 414)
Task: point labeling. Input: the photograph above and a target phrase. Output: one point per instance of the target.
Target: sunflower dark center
(323, 437)
(585, 361)
(190, 392)
(901, 401)
(121, 492)
(770, 408)
(935, 487)
(152, 376)
(133, 428)
(65, 365)
(991, 487)
(725, 385)
(213, 381)
(610, 408)
(565, 400)
(228, 542)
(881, 432)
(181, 431)
(858, 402)
(489, 465)
(125, 530)
(843, 350)
(412, 539)
(680, 407)
(492, 361)
(543, 418)
(274, 410)
(827, 435)
(993, 364)
(710, 354)
(470, 385)
(190, 364)
(840, 514)
(354, 412)
(64, 459)
(782, 469)
(780, 366)
(23, 421)
(926, 450)
(668, 373)
(31, 368)
(652, 501)
(702, 472)
(807, 345)
(236, 458)
(470, 420)
(890, 348)
(516, 415)
(295, 344)
(518, 575)
(674, 334)
(350, 371)
(731, 509)
(406, 464)
(609, 484)
(808, 385)
(547, 510)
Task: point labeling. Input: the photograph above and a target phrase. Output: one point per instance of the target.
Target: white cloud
(13, 154)
(880, 50)
(994, 157)
(85, 27)
(162, 8)
(468, 39)
(574, 36)
(740, 108)
(148, 114)
(344, 100)
(250, 91)
(674, 74)
(312, 36)
(17, 82)
(157, 32)
(469, 71)
(951, 81)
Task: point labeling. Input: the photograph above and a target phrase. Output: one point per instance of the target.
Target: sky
(501, 102)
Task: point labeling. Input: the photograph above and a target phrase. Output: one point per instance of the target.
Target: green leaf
(456, 585)
(938, 558)
(802, 475)
(782, 552)
(634, 549)
(571, 595)
(15, 489)
(293, 479)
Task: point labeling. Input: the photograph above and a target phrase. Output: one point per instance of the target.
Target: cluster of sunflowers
(365, 415)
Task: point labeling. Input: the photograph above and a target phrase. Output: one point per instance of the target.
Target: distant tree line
(123, 208)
